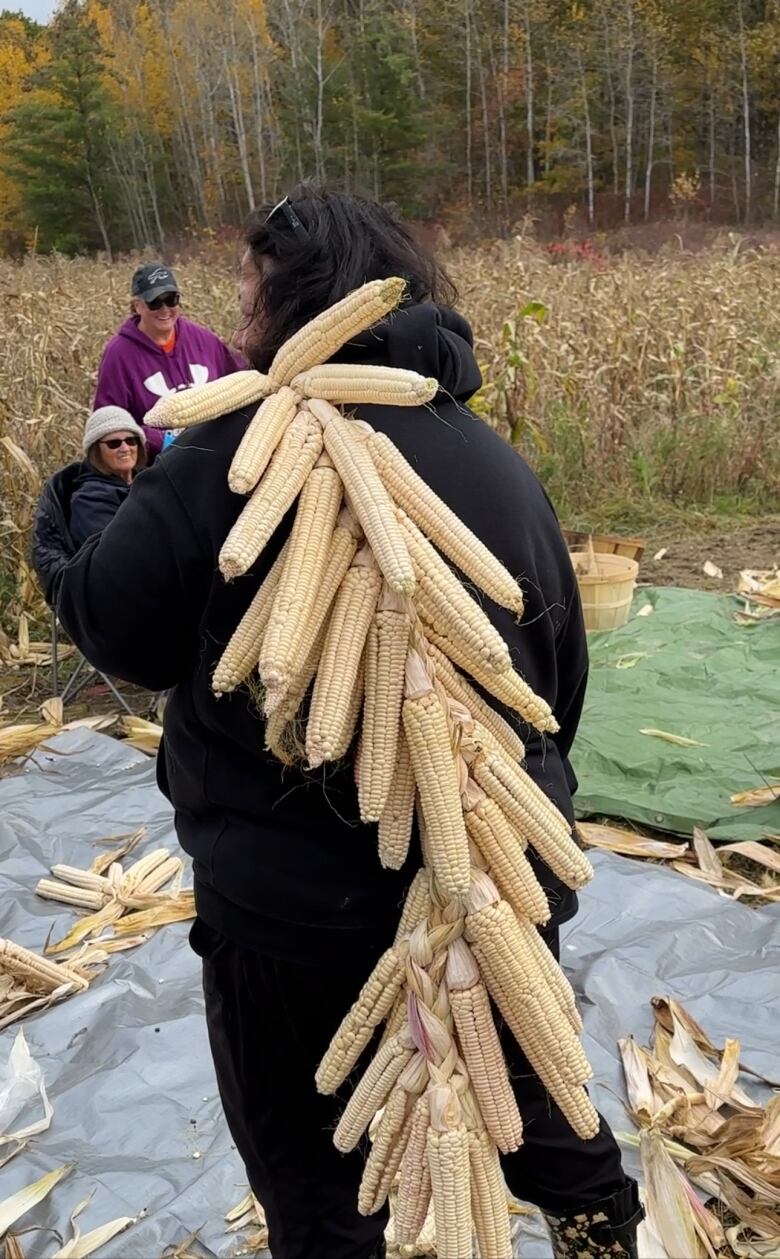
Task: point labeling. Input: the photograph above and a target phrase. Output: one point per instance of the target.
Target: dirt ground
(753, 546)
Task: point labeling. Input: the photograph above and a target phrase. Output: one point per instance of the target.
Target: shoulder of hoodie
(205, 451)
(196, 331)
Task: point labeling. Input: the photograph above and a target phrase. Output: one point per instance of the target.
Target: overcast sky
(41, 10)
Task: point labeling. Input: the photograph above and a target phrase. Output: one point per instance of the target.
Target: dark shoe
(601, 1230)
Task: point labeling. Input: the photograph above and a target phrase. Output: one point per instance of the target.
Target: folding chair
(80, 675)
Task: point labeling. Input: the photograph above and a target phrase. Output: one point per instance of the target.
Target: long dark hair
(320, 246)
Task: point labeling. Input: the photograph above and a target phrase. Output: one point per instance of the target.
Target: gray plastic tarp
(127, 1064)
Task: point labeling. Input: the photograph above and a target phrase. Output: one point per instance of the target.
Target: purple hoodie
(135, 373)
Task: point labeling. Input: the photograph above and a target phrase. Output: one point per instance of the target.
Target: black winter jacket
(52, 544)
(281, 861)
(96, 499)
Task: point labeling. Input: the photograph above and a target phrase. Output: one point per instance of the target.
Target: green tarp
(689, 669)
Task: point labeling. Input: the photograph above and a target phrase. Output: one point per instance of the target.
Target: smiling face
(119, 459)
(157, 319)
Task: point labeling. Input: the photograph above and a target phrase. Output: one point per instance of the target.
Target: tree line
(126, 124)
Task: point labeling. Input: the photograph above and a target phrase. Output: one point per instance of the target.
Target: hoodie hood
(424, 338)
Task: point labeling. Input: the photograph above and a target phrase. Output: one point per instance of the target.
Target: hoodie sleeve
(132, 599)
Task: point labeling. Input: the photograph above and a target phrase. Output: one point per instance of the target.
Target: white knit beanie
(107, 420)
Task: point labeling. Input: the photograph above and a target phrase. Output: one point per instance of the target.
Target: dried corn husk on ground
(699, 1126)
(29, 982)
(382, 656)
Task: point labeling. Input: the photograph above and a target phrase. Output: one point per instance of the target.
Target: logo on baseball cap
(152, 280)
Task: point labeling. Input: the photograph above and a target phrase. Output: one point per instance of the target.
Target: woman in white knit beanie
(115, 451)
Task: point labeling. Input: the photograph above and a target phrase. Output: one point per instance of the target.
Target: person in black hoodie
(293, 906)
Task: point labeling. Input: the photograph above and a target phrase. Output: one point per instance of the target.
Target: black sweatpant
(269, 1024)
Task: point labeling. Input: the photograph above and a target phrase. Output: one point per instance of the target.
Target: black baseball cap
(152, 280)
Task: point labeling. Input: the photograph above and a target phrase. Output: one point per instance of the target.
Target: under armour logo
(158, 385)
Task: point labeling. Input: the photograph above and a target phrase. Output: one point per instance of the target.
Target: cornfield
(630, 383)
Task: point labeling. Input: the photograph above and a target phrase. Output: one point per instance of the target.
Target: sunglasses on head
(114, 443)
(284, 207)
(167, 299)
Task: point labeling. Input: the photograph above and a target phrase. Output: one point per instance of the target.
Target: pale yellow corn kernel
(489, 1206)
(308, 550)
(436, 775)
(545, 828)
(516, 985)
(481, 1050)
(37, 973)
(208, 402)
(508, 687)
(375, 1001)
(332, 702)
(448, 1163)
(367, 496)
(351, 385)
(414, 1189)
(459, 689)
(242, 653)
(263, 434)
(386, 1152)
(324, 335)
(502, 849)
(397, 821)
(452, 608)
(67, 894)
(439, 523)
(293, 460)
(372, 1091)
(386, 647)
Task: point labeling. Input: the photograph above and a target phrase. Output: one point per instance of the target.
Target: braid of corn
(327, 332)
(209, 401)
(374, 1003)
(264, 432)
(293, 460)
(367, 496)
(242, 653)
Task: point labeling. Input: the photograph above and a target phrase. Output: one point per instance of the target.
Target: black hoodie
(281, 860)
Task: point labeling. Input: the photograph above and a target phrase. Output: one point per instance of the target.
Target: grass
(642, 388)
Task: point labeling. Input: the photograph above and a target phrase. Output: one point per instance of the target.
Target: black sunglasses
(167, 299)
(114, 443)
(295, 223)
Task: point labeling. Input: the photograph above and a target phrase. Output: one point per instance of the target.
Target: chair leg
(70, 685)
(120, 699)
(55, 667)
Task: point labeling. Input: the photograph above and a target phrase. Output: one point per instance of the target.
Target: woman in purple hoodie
(157, 351)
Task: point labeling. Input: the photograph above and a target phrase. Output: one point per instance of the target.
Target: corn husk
(668, 1205)
(19, 1203)
(628, 843)
(12, 1248)
(82, 1245)
(142, 734)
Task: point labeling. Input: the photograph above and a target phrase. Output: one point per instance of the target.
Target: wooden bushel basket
(606, 584)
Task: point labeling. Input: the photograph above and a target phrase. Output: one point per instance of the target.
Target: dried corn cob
(372, 1091)
(209, 401)
(386, 1152)
(463, 692)
(386, 647)
(67, 894)
(553, 974)
(345, 384)
(332, 699)
(436, 775)
(507, 687)
(368, 497)
(481, 1050)
(451, 610)
(414, 1189)
(374, 1003)
(545, 828)
(448, 1162)
(293, 460)
(264, 432)
(397, 820)
(502, 849)
(302, 576)
(87, 879)
(37, 973)
(518, 989)
(416, 905)
(488, 1199)
(281, 738)
(446, 530)
(141, 869)
(158, 877)
(242, 653)
(322, 336)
